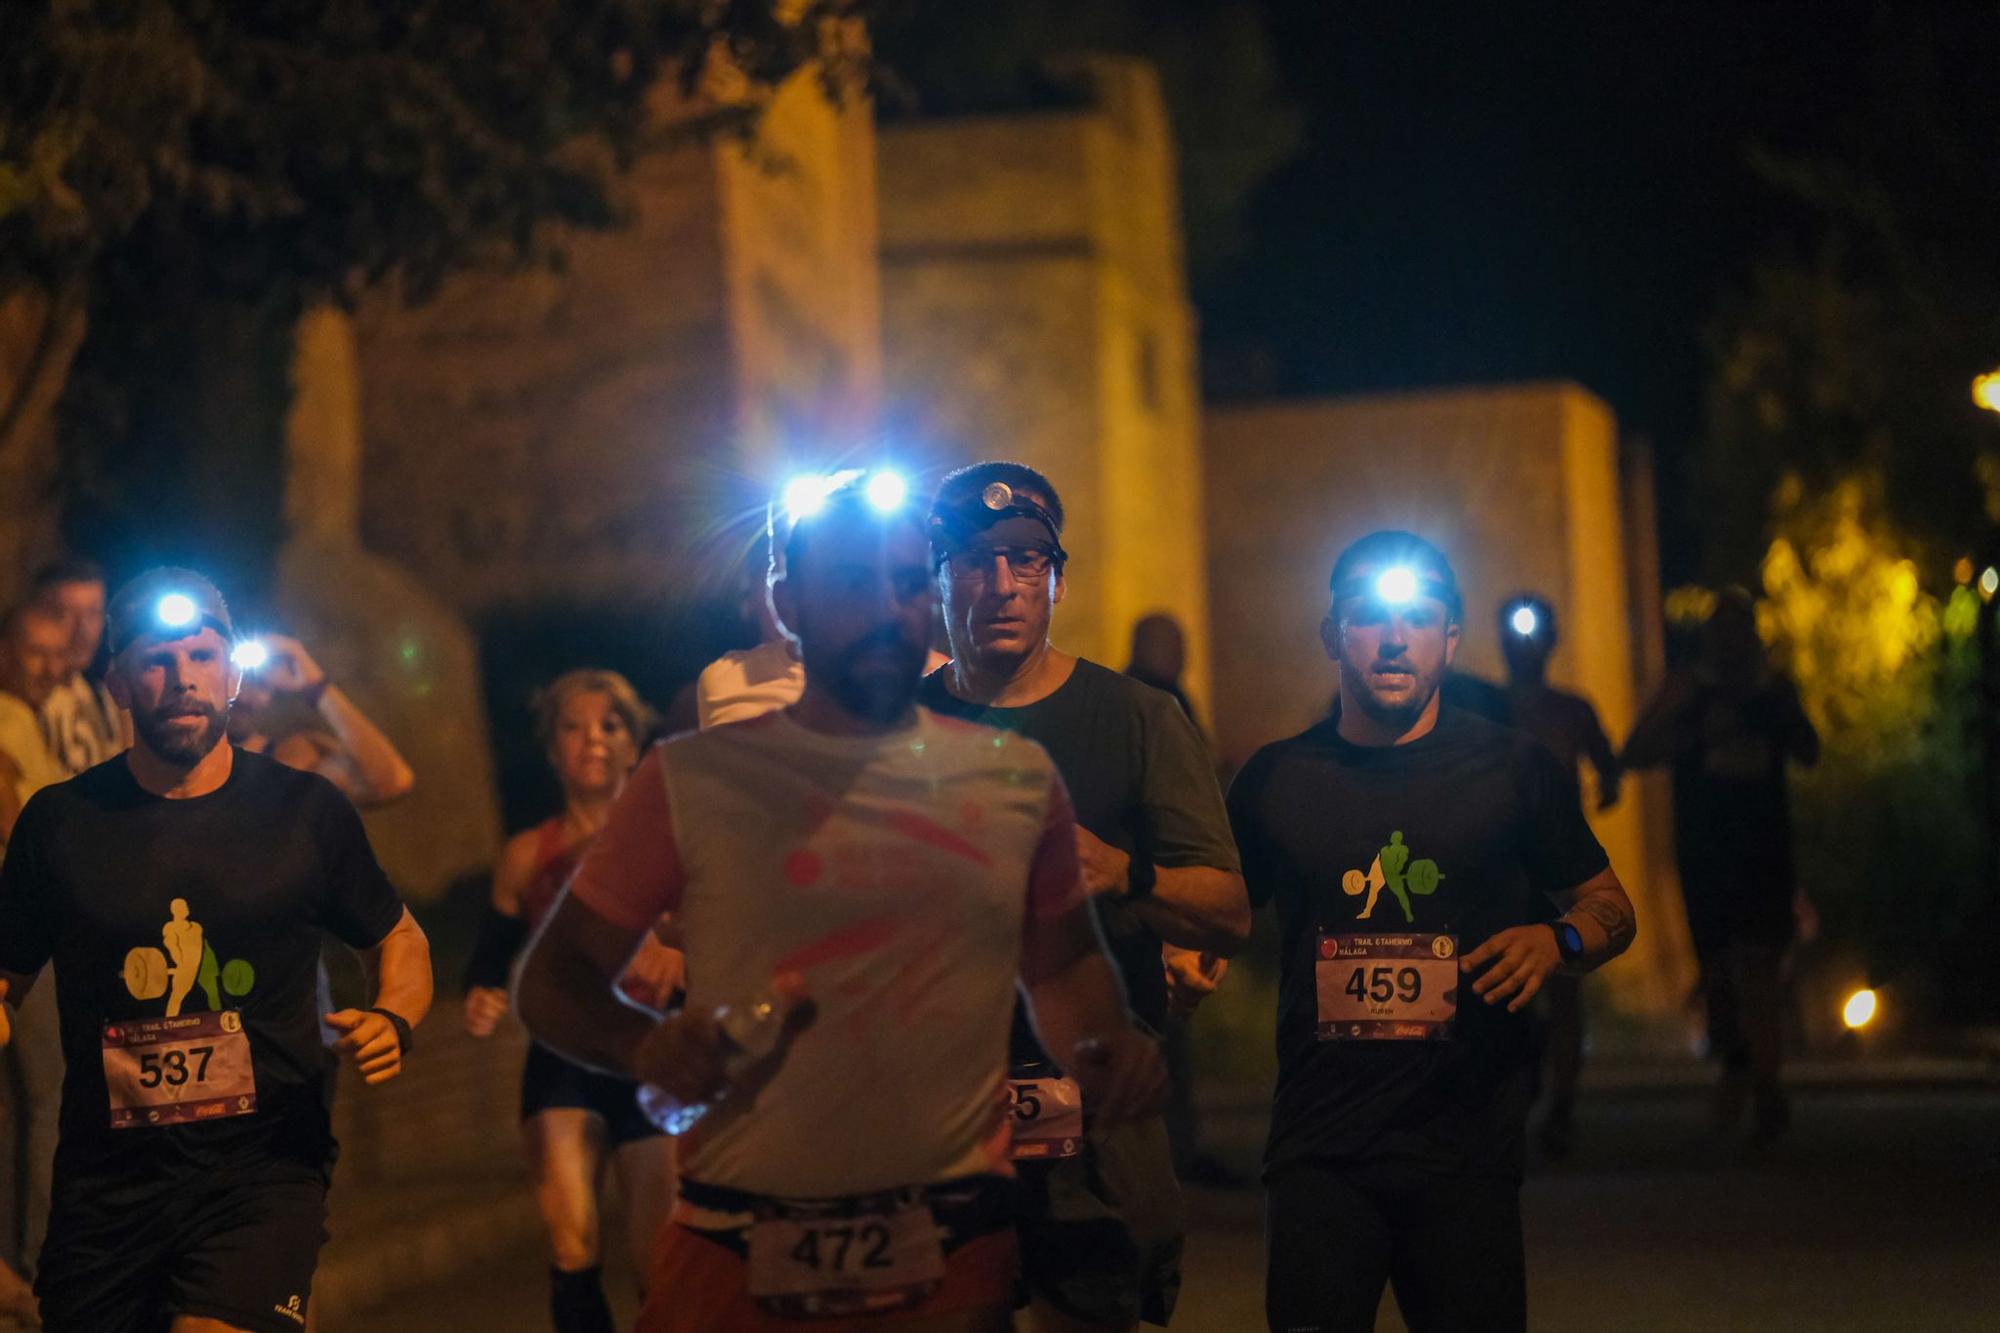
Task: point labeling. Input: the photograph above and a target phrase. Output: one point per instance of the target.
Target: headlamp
(807, 494)
(250, 655)
(176, 610)
(1397, 585)
(1524, 621)
(953, 525)
(886, 491)
(169, 603)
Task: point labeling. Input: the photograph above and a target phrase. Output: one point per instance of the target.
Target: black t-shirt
(210, 905)
(1498, 820)
(1141, 781)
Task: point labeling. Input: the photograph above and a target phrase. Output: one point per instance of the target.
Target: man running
(1731, 726)
(858, 883)
(1567, 724)
(1102, 1223)
(1412, 851)
(190, 1180)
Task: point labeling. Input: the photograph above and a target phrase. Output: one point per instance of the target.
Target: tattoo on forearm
(1615, 918)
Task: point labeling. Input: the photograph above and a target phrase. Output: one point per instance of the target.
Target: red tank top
(553, 864)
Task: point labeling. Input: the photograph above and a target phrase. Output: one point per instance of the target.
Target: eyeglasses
(970, 563)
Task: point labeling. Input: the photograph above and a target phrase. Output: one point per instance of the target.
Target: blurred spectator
(1567, 724)
(290, 710)
(82, 722)
(34, 664)
(1159, 657)
(1729, 726)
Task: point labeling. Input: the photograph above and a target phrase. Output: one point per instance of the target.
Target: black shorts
(1450, 1244)
(128, 1259)
(1101, 1233)
(549, 1082)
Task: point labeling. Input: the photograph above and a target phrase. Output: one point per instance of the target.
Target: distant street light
(1986, 390)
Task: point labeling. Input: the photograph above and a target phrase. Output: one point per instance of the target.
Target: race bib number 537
(169, 1071)
(1386, 987)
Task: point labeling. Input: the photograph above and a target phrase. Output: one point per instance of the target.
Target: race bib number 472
(846, 1262)
(169, 1071)
(1386, 987)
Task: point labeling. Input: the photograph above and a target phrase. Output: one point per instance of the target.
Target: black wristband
(500, 938)
(402, 1026)
(1140, 877)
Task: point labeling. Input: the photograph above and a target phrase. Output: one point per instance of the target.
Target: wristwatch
(1140, 876)
(1569, 941)
(402, 1026)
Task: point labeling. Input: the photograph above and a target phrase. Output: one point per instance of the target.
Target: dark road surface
(1880, 1212)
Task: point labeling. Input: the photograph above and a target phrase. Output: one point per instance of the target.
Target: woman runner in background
(574, 1121)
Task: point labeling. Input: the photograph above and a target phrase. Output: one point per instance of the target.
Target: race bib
(845, 1259)
(1047, 1116)
(1386, 987)
(169, 1071)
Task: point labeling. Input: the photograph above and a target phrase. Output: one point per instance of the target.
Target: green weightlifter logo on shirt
(1394, 871)
(187, 962)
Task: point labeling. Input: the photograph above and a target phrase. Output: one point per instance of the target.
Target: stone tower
(1035, 308)
(544, 435)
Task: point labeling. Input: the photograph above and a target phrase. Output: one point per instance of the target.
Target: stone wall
(1519, 485)
(1034, 308)
(531, 437)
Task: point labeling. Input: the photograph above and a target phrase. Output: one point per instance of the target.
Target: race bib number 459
(1386, 987)
(169, 1071)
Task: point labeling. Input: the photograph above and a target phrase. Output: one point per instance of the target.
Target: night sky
(1498, 191)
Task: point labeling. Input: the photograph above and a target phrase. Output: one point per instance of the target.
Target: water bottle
(749, 1031)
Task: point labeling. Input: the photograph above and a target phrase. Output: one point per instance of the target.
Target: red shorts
(700, 1279)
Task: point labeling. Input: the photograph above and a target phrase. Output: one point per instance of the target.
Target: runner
(858, 884)
(574, 1121)
(190, 1181)
(1411, 851)
(1568, 726)
(1102, 1222)
(1731, 726)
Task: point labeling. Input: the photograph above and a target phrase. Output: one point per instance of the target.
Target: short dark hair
(846, 500)
(58, 572)
(969, 481)
(1392, 546)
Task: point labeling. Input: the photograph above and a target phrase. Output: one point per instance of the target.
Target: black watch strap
(1140, 876)
(1569, 941)
(402, 1026)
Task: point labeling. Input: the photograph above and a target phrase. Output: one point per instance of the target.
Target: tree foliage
(1888, 825)
(329, 142)
(1852, 344)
